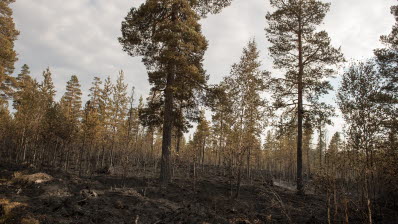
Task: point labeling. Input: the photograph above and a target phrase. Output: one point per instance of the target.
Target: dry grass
(36, 178)
(8, 209)
(29, 221)
(9, 206)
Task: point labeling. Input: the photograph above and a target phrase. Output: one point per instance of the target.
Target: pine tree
(71, 100)
(28, 104)
(305, 54)
(245, 107)
(47, 86)
(105, 105)
(200, 139)
(119, 103)
(71, 104)
(247, 83)
(105, 116)
(95, 93)
(24, 83)
(8, 56)
(5, 134)
(91, 130)
(221, 106)
(133, 120)
(94, 129)
(24, 74)
(168, 36)
(335, 143)
(269, 152)
(387, 60)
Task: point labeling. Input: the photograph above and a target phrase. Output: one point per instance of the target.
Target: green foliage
(357, 99)
(8, 56)
(204, 7)
(105, 103)
(47, 86)
(185, 48)
(168, 36)
(387, 60)
(306, 56)
(200, 139)
(71, 104)
(119, 102)
(95, 93)
(294, 21)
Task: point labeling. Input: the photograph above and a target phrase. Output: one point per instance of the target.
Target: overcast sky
(80, 37)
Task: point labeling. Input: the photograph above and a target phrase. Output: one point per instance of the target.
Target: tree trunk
(203, 151)
(238, 182)
(248, 163)
(81, 155)
(178, 141)
(165, 171)
(300, 187)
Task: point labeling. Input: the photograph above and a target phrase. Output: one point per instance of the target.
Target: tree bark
(300, 187)
(165, 169)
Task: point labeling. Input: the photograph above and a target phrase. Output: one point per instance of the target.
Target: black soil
(112, 199)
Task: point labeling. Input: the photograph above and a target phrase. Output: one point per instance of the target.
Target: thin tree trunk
(238, 182)
(300, 186)
(178, 142)
(81, 155)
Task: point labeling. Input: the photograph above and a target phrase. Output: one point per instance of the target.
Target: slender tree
(360, 87)
(221, 105)
(47, 86)
(105, 116)
(119, 109)
(71, 100)
(105, 105)
(28, 104)
(71, 104)
(95, 93)
(305, 55)
(200, 139)
(387, 60)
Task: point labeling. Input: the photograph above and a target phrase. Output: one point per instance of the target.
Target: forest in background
(116, 132)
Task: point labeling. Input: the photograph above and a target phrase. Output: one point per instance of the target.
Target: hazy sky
(80, 37)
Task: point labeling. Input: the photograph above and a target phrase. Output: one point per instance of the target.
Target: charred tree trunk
(300, 187)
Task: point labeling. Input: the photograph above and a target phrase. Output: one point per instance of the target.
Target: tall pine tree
(71, 100)
(168, 36)
(387, 60)
(305, 55)
(8, 56)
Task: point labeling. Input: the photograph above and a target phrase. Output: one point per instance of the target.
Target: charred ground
(30, 195)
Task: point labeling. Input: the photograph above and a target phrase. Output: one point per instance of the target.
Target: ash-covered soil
(29, 195)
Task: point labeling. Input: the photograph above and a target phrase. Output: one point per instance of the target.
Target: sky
(79, 37)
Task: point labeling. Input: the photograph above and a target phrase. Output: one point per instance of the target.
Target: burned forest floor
(31, 196)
